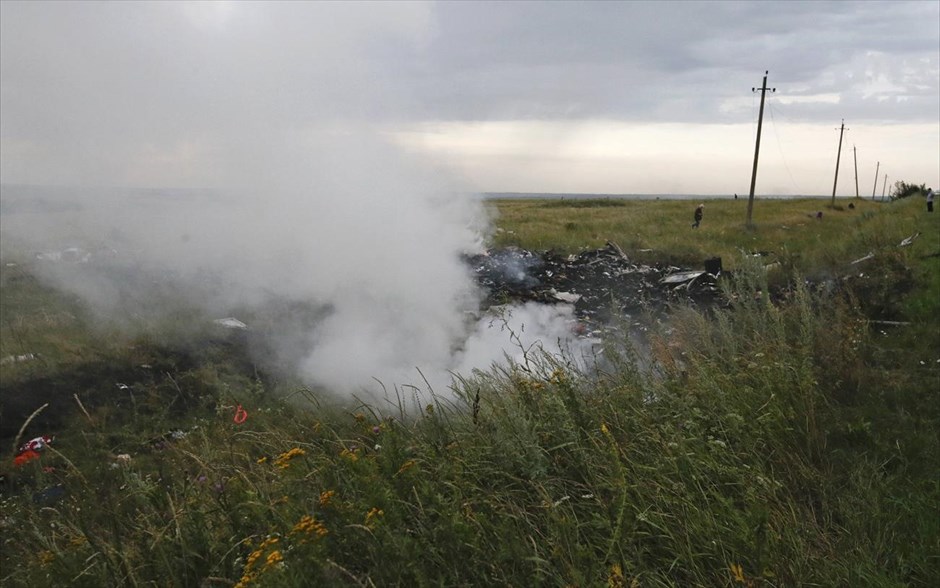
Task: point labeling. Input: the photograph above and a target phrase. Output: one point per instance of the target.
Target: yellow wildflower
(307, 525)
(249, 573)
(283, 460)
(372, 515)
(273, 558)
(350, 454)
(737, 572)
(326, 496)
(615, 577)
(246, 579)
(262, 459)
(46, 557)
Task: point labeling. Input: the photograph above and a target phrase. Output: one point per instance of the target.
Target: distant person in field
(699, 211)
(929, 199)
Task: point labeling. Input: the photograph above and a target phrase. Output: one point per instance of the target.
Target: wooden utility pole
(838, 156)
(875, 186)
(883, 186)
(760, 120)
(855, 157)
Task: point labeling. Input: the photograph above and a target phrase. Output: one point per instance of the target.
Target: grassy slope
(773, 444)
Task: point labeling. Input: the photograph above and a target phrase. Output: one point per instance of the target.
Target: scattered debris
(908, 241)
(231, 323)
(713, 266)
(37, 443)
(18, 358)
(861, 259)
(565, 296)
(31, 450)
(681, 277)
(70, 255)
(599, 283)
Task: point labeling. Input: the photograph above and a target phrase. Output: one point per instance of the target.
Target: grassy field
(776, 441)
(660, 231)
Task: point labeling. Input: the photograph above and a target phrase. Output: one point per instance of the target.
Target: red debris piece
(25, 457)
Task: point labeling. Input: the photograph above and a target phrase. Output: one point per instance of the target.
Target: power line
(780, 147)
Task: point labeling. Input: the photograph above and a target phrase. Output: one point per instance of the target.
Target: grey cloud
(643, 61)
(100, 90)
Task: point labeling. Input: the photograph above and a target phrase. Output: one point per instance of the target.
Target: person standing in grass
(929, 199)
(699, 211)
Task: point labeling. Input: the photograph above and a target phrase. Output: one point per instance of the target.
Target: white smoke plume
(275, 113)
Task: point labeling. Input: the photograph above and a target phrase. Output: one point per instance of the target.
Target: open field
(660, 231)
(776, 440)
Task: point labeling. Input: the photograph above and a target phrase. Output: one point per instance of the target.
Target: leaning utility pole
(838, 156)
(855, 157)
(760, 120)
(883, 186)
(875, 186)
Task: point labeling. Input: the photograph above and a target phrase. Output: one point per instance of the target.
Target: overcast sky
(613, 97)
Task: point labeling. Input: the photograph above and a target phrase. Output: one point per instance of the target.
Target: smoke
(263, 127)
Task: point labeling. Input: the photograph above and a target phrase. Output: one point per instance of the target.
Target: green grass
(660, 231)
(776, 441)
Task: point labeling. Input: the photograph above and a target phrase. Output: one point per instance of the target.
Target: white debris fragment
(231, 323)
(861, 259)
(568, 297)
(680, 277)
(70, 255)
(18, 358)
(906, 242)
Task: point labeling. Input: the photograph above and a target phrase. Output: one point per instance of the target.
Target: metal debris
(18, 358)
(861, 259)
(231, 323)
(600, 284)
(681, 277)
(908, 241)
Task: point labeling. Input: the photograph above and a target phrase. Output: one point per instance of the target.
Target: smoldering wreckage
(602, 286)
